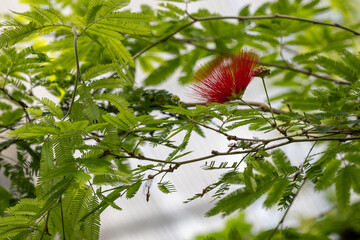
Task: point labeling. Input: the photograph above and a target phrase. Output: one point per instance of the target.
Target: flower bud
(261, 71)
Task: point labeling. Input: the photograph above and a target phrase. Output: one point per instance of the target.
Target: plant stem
(268, 99)
(255, 110)
(78, 74)
(46, 229)
(62, 218)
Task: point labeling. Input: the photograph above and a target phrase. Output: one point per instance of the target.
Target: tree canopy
(74, 157)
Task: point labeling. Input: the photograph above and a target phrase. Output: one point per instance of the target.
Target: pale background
(165, 217)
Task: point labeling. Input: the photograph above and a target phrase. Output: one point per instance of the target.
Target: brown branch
(277, 16)
(139, 157)
(243, 18)
(46, 226)
(164, 39)
(190, 42)
(23, 105)
(306, 72)
(215, 153)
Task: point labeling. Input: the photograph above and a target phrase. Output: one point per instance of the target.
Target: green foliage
(333, 222)
(68, 150)
(166, 187)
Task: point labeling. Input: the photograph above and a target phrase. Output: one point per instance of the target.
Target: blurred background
(166, 216)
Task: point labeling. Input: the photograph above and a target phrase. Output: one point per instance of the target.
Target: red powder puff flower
(225, 79)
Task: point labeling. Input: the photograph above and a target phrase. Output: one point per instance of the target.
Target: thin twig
(268, 99)
(247, 104)
(18, 101)
(164, 39)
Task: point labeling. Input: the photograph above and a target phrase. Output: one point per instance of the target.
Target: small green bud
(261, 71)
(175, 99)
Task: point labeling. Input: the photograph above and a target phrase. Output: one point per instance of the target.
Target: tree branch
(306, 72)
(18, 101)
(215, 153)
(243, 18)
(164, 39)
(278, 16)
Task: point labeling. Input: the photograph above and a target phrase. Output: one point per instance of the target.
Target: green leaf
(95, 127)
(276, 192)
(98, 70)
(352, 60)
(343, 184)
(338, 68)
(328, 176)
(234, 234)
(110, 179)
(163, 72)
(13, 35)
(133, 189)
(11, 117)
(92, 222)
(238, 200)
(108, 83)
(182, 146)
(47, 164)
(166, 187)
(92, 12)
(250, 183)
(5, 198)
(120, 103)
(52, 107)
(111, 6)
(354, 172)
(115, 121)
(178, 109)
(119, 53)
(66, 126)
(33, 131)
